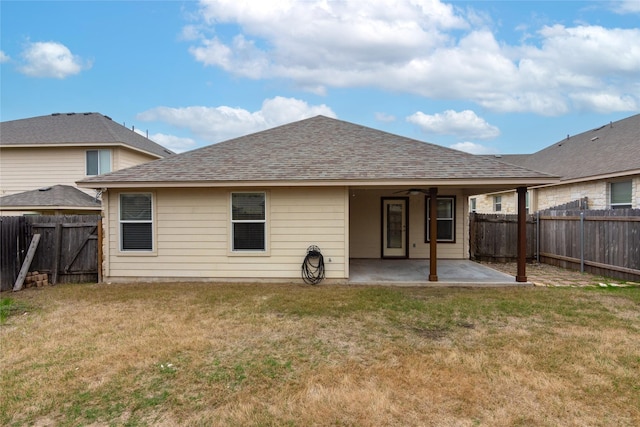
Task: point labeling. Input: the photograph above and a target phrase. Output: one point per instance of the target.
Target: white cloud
(423, 47)
(174, 143)
(385, 118)
(215, 124)
(473, 148)
(463, 124)
(603, 102)
(4, 57)
(625, 6)
(51, 59)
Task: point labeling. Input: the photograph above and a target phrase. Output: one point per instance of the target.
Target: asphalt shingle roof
(51, 197)
(74, 129)
(612, 148)
(318, 149)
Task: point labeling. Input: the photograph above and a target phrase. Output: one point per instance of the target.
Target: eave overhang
(472, 186)
(85, 145)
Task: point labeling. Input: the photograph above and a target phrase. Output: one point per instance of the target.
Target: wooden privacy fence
(493, 237)
(67, 252)
(603, 242)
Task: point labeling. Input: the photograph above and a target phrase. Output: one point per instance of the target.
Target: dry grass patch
(203, 354)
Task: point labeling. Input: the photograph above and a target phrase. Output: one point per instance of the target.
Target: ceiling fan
(412, 191)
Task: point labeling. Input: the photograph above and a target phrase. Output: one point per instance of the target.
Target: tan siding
(364, 223)
(365, 226)
(124, 158)
(24, 169)
(193, 236)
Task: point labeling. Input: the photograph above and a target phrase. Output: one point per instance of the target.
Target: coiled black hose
(313, 266)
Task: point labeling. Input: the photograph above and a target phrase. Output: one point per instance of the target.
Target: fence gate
(67, 252)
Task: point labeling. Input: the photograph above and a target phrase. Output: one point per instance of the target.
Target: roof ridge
(107, 126)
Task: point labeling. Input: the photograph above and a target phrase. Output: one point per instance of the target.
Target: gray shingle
(612, 148)
(75, 129)
(51, 197)
(319, 148)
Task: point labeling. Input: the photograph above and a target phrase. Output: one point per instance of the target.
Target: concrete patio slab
(412, 272)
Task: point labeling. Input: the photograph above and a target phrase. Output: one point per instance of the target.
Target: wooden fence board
(68, 249)
(14, 241)
(33, 247)
(610, 247)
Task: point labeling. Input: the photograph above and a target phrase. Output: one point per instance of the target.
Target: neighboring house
(249, 208)
(55, 200)
(601, 165)
(61, 149)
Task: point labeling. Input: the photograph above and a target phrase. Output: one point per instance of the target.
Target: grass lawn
(287, 355)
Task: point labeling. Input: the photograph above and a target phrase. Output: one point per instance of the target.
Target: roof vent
(55, 114)
(71, 114)
(594, 138)
(44, 189)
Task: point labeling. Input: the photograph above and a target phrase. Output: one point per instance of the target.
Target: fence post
(57, 253)
(538, 237)
(99, 250)
(582, 242)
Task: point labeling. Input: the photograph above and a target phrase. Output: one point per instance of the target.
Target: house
(249, 208)
(60, 149)
(55, 200)
(601, 166)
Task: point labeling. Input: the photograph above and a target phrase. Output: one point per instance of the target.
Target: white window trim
(138, 252)
(625, 205)
(496, 203)
(452, 219)
(249, 252)
(98, 150)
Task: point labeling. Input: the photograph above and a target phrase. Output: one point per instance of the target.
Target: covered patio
(415, 272)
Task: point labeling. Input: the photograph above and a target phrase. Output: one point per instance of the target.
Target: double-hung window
(136, 222)
(620, 195)
(98, 162)
(497, 203)
(446, 226)
(248, 222)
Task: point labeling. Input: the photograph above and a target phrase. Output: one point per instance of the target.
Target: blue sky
(481, 76)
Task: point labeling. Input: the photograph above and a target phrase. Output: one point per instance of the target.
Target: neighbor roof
(55, 197)
(319, 149)
(75, 129)
(608, 149)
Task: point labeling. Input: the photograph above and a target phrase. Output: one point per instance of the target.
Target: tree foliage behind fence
(603, 242)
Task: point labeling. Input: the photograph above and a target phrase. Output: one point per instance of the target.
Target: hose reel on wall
(313, 266)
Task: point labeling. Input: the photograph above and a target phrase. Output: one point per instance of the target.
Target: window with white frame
(446, 211)
(497, 203)
(620, 195)
(248, 222)
(98, 162)
(136, 222)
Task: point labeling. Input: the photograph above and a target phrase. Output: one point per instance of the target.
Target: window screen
(98, 162)
(248, 221)
(136, 222)
(621, 195)
(446, 219)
